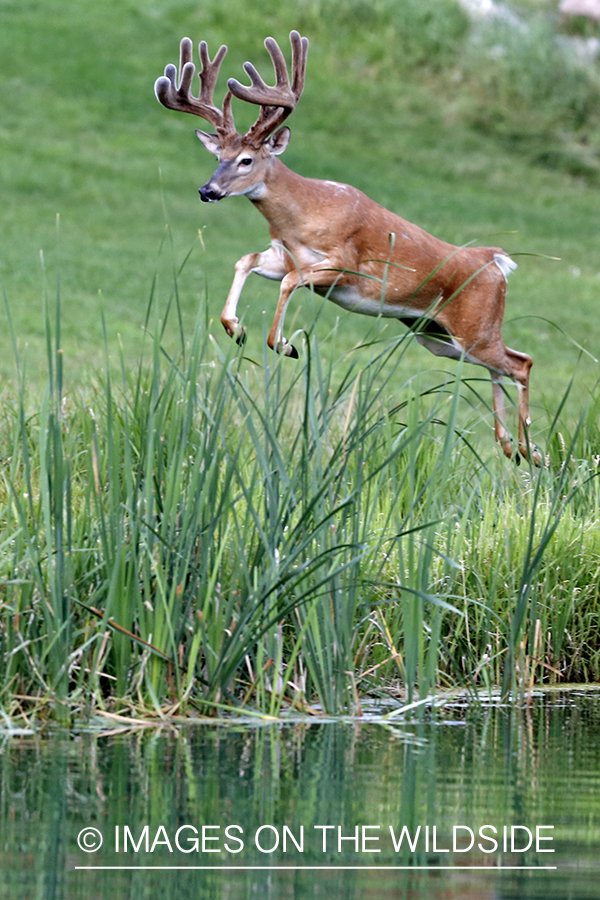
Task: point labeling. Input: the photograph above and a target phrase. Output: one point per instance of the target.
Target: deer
(333, 239)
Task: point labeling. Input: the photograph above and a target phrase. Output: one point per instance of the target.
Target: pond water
(473, 802)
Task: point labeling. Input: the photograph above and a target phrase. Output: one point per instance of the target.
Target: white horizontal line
(326, 868)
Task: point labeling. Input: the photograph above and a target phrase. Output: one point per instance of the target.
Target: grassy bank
(206, 530)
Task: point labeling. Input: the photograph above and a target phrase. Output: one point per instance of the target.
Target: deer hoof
(536, 457)
(532, 454)
(240, 336)
(287, 349)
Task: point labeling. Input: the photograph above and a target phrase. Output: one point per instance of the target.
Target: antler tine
(277, 101)
(299, 57)
(208, 80)
(186, 54)
(180, 97)
(260, 92)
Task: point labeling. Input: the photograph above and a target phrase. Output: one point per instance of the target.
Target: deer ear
(210, 141)
(279, 141)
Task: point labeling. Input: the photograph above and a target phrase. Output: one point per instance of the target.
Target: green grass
(206, 532)
(83, 137)
(183, 525)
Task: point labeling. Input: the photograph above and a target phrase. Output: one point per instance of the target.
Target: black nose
(209, 194)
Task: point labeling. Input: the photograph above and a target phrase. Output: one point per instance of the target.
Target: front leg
(326, 275)
(269, 264)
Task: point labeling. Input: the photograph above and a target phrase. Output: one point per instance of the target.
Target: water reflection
(286, 798)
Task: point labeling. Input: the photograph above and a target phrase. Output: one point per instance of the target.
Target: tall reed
(205, 532)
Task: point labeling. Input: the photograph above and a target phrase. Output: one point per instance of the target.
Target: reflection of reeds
(212, 532)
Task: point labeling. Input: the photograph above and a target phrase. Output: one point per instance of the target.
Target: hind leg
(503, 435)
(520, 374)
(517, 365)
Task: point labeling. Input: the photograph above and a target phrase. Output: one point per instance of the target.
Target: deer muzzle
(209, 193)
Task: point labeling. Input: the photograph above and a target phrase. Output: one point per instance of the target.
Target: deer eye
(246, 161)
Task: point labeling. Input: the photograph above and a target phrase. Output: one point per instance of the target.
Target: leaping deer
(334, 239)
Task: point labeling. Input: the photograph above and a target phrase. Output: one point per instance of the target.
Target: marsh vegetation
(186, 526)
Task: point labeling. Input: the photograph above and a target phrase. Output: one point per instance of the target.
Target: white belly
(350, 298)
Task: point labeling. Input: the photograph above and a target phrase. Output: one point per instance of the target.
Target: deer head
(243, 159)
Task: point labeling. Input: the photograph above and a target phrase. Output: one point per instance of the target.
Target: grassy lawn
(83, 138)
(279, 519)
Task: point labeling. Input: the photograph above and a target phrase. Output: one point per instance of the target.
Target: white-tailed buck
(332, 238)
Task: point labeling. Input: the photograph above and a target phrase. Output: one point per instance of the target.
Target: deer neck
(279, 197)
